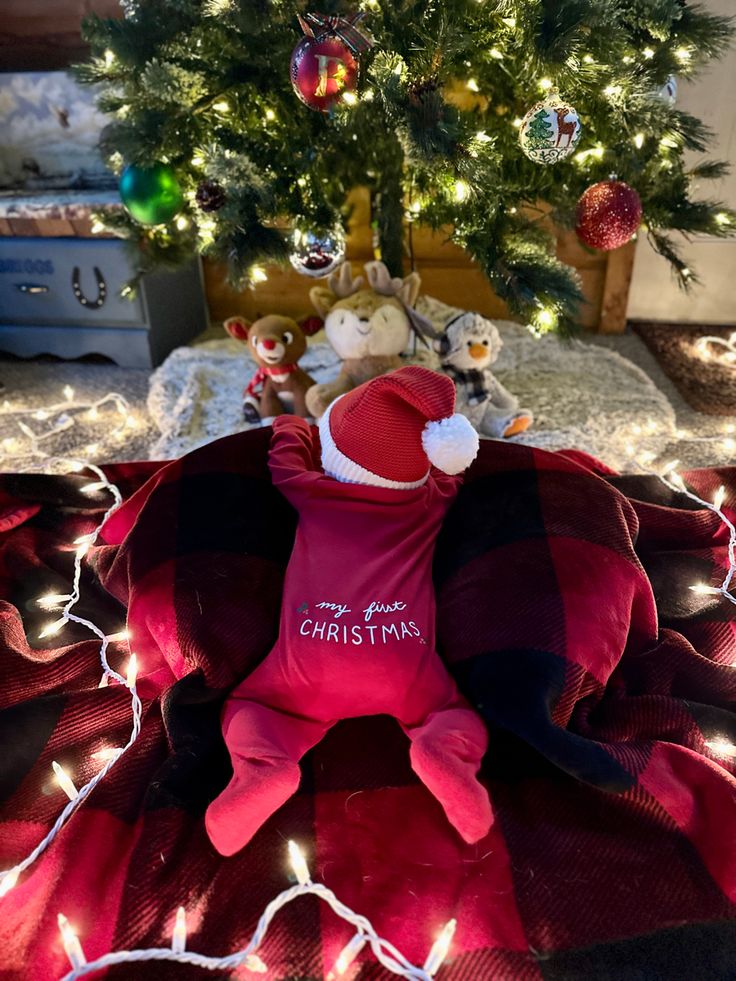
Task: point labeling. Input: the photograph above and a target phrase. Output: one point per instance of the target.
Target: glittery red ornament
(322, 71)
(608, 214)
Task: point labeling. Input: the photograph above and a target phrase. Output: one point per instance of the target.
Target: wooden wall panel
(41, 35)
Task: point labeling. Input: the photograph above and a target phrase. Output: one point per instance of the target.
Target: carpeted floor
(700, 440)
(702, 373)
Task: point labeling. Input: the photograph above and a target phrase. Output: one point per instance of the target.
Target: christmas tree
(429, 125)
(540, 130)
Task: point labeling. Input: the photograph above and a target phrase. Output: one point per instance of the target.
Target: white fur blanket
(582, 396)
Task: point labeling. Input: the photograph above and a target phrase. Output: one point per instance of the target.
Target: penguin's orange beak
(477, 351)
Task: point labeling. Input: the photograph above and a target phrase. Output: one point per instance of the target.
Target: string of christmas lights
(704, 346)
(247, 957)
(68, 413)
(385, 952)
(66, 603)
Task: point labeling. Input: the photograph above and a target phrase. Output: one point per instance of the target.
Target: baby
(357, 629)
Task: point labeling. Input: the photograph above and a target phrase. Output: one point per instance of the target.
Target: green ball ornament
(151, 194)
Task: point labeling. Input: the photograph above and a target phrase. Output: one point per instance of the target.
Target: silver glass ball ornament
(316, 253)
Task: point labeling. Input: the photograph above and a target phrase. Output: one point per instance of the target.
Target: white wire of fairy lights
(385, 952)
(705, 344)
(66, 603)
(67, 414)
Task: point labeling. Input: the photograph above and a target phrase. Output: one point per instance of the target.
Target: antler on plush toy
(341, 281)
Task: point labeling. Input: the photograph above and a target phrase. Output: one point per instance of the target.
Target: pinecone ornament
(210, 196)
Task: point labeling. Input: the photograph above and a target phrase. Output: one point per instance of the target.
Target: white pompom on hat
(389, 430)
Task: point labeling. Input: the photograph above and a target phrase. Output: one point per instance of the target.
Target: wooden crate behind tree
(447, 272)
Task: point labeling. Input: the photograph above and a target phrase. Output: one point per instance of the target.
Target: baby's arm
(444, 487)
(292, 457)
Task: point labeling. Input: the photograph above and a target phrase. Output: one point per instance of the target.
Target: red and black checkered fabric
(563, 611)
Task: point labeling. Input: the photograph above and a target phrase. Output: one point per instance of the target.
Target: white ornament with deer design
(550, 131)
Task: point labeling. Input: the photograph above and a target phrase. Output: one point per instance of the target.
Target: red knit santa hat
(387, 431)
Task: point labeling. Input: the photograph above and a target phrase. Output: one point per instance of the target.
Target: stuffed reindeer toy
(367, 326)
(468, 346)
(275, 344)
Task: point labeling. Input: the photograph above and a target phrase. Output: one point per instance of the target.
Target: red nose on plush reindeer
(276, 344)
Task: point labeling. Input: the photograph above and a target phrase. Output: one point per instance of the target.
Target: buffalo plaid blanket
(564, 612)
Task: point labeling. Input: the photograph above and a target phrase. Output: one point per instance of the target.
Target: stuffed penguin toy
(468, 346)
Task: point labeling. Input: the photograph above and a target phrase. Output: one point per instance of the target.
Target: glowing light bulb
(131, 422)
(347, 955)
(350, 98)
(68, 393)
(221, 106)
(72, 946)
(545, 84)
(83, 549)
(64, 780)
(612, 90)
(298, 864)
(254, 963)
(483, 137)
(440, 948)
(729, 444)
(109, 58)
(683, 55)
(517, 122)
(52, 601)
(132, 671)
(270, 115)
(730, 428)
(545, 319)
(702, 589)
(588, 59)
(179, 936)
(182, 223)
(52, 628)
(258, 274)
(721, 747)
(107, 753)
(92, 449)
(639, 141)
(648, 52)
(495, 53)
(472, 85)
(461, 190)
(104, 681)
(685, 273)
(93, 488)
(8, 880)
(722, 218)
(509, 21)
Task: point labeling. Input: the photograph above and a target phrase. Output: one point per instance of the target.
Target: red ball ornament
(608, 214)
(322, 71)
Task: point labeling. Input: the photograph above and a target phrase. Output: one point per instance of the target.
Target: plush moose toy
(357, 628)
(468, 346)
(276, 344)
(368, 327)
